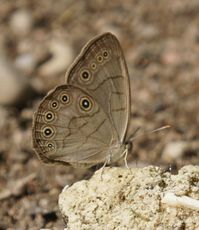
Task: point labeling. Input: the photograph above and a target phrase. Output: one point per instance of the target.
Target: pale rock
(16, 187)
(137, 199)
(171, 57)
(26, 62)
(146, 31)
(12, 83)
(174, 151)
(62, 56)
(21, 22)
(15, 88)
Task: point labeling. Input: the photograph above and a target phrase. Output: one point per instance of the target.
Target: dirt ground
(40, 39)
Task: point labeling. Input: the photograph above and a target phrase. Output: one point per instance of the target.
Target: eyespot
(85, 103)
(65, 98)
(105, 54)
(93, 66)
(49, 116)
(48, 131)
(99, 58)
(85, 75)
(54, 104)
(51, 146)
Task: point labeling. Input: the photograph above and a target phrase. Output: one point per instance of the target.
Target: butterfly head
(129, 145)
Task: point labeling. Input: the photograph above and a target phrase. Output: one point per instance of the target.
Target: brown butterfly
(84, 121)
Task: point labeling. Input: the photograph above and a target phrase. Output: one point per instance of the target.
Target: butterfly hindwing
(69, 127)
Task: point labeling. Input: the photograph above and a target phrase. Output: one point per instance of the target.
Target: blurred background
(38, 42)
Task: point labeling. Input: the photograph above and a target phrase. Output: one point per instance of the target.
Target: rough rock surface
(133, 199)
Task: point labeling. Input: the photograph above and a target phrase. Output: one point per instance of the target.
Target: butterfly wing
(101, 71)
(70, 127)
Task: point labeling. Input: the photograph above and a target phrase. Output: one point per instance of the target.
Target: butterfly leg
(125, 154)
(104, 165)
(125, 158)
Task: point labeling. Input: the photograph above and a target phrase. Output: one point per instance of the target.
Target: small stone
(147, 32)
(174, 151)
(16, 187)
(171, 57)
(62, 56)
(26, 62)
(12, 83)
(21, 22)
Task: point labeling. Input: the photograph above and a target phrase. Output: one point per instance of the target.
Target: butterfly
(84, 121)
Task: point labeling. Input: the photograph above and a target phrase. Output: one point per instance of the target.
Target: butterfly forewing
(101, 70)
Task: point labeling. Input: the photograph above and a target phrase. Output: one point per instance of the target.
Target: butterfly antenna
(132, 137)
(133, 134)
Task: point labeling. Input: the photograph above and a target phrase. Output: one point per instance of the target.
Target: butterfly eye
(48, 132)
(100, 58)
(54, 104)
(65, 98)
(85, 75)
(105, 54)
(85, 104)
(49, 116)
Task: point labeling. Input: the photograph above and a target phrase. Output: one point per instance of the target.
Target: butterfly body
(84, 121)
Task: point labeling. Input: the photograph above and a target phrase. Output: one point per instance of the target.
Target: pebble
(147, 32)
(62, 57)
(12, 83)
(174, 151)
(26, 62)
(171, 57)
(21, 22)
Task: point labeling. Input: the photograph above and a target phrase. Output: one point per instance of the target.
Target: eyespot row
(85, 104)
(85, 75)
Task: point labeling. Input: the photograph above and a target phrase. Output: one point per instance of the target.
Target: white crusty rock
(145, 198)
